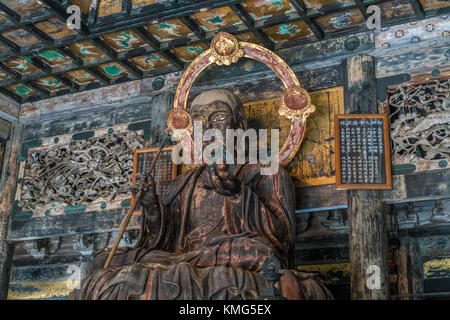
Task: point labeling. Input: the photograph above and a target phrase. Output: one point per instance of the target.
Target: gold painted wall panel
(40, 290)
(314, 163)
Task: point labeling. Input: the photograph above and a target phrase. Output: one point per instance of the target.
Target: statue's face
(216, 115)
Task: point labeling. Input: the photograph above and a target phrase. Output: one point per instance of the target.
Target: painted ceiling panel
(143, 3)
(4, 21)
(83, 4)
(169, 30)
(26, 8)
(108, 7)
(113, 70)
(50, 84)
(53, 58)
(288, 31)
(340, 20)
(21, 37)
(190, 52)
(396, 8)
(248, 37)
(22, 65)
(87, 51)
(21, 90)
(124, 40)
(114, 46)
(327, 5)
(264, 9)
(150, 62)
(55, 28)
(3, 75)
(215, 19)
(3, 49)
(81, 77)
(434, 4)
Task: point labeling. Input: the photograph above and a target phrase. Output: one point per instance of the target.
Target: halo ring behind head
(297, 114)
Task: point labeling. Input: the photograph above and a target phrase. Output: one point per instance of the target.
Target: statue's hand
(146, 185)
(224, 182)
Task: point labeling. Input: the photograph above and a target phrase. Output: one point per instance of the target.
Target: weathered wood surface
(80, 101)
(324, 196)
(416, 59)
(9, 109)
(69, 224)
(409, 270)
(161, 105)
(419, 186)
(5, 126)
(7, 191)
(368, 236)
(102, 116)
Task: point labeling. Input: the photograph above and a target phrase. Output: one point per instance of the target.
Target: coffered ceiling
(124, 40)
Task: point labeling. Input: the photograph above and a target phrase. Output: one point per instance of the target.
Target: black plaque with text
(163, 173)
(362, 152)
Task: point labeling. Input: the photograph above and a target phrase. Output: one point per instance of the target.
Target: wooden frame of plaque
(387, 153)
(173, 167)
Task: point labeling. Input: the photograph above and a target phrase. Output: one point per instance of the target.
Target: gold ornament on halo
(177, 121)
(296, 103)
(225, 49)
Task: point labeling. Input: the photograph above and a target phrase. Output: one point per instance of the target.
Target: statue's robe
(209, 246)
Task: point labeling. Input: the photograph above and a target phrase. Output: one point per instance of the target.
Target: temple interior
(80, 103)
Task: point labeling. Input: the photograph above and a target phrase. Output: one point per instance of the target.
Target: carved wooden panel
(420, 124)
(87, 171)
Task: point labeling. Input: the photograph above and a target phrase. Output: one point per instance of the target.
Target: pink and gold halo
(226, 49)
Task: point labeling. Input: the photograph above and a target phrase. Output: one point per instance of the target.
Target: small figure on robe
(211, 233)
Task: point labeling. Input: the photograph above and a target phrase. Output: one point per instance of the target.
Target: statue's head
(218, 109)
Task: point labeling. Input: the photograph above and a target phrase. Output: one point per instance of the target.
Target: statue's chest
(206, 205)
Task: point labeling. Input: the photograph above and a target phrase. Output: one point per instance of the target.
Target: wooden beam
(68, 224)
(419, 187)
(151, 41)
(362, 8)
(368, 233)
(319, 197)
(8, 184)
(409, 270)
(200, 33)
(5, 127)
(418, 10)
(92, 15)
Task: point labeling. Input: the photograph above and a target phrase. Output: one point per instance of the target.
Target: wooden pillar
(409, 270)
(161, 105)
(367, 220)
(7, 192)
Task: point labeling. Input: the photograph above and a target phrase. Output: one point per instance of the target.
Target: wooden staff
(130, 212)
